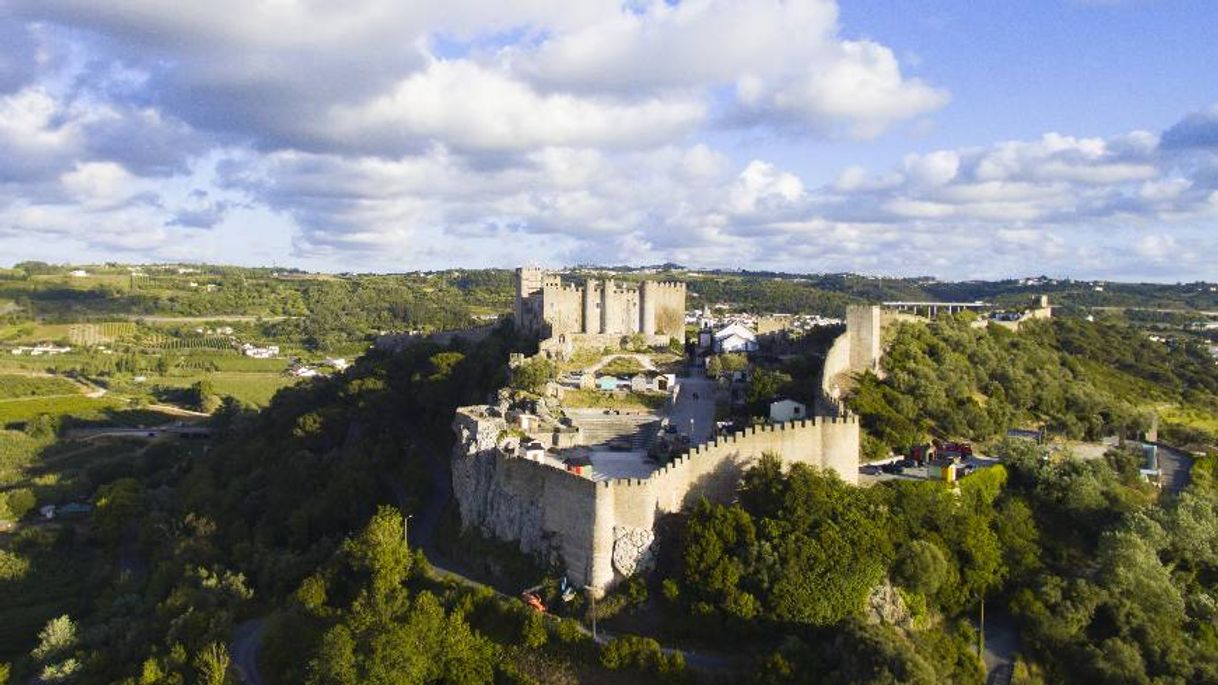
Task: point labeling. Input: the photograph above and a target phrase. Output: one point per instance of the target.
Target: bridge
(933, 308)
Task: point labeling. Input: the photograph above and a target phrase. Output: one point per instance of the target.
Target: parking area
(903, 469)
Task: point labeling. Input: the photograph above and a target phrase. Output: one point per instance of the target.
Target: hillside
(1074, 378)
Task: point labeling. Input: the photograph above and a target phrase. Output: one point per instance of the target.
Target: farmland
(24, 387)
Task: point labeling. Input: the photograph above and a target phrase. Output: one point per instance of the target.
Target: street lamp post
(406, 530)
(592, 595)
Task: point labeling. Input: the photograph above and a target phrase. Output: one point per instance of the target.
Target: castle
(549, 308)
(526, 470)
(603, 531)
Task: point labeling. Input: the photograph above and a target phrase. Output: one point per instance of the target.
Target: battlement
(547, 306)
(745, 438)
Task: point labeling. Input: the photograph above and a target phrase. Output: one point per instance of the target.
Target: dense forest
(1105, 579)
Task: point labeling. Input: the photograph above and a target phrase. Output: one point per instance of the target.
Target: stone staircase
(599, 428)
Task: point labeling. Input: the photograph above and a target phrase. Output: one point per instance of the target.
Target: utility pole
(592, 595)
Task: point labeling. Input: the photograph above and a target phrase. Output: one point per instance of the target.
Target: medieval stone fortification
(861, 347)
(512, 475)
(602, 531)
(549, 308)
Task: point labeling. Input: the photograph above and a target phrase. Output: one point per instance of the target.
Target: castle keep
(549, 308)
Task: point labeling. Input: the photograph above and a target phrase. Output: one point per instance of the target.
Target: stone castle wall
(856, 350)
(548, 307)
(602, 532)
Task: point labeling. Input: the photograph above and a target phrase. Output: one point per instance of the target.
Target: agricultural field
(14, 386)
(31, 333)
(18, 411)
(248, 387)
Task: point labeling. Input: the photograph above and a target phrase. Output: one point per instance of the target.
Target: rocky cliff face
(486, 503)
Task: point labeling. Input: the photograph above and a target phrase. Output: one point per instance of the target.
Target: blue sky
(980, 139)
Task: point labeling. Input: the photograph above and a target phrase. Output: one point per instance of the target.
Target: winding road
(247, 638)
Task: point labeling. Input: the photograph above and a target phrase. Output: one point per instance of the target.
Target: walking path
(694, 410)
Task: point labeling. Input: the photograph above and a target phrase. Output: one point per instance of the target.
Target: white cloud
(470, 107)
(393, 134)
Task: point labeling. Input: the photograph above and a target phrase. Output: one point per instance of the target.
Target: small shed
(534, 451)
(782, 411)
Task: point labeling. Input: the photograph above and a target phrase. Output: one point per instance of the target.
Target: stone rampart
(549, 511)
(602, 531)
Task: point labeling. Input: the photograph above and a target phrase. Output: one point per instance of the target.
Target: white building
(735, 338)
(783, 411)
(78, 273)
(535, 451)
(260, 352)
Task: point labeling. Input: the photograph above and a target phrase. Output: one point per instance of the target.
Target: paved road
(696, 401)
(1001, 645)
(1174, 467)
(247, 640)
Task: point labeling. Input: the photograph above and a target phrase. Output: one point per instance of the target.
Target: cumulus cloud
(388, 134)
(1196, 131)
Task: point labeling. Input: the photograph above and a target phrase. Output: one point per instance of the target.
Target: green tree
(922, 567)
(18, 502)
(116, 504)
(380, 551)
(42, 427)
(334, 662)
(212, 665)
(764, 385)
(532, 375)
(203, 397)
(55, 638)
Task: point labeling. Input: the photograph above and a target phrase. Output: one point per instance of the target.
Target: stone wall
(856, 350)
(602, 532)
(547, 307)
(563, 308)
(549, 511)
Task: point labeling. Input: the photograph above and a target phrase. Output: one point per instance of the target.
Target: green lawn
(253, 388)
(598, 399)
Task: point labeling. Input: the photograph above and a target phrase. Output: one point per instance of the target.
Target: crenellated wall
(563, 307)
(601, 531)
(547, 307)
